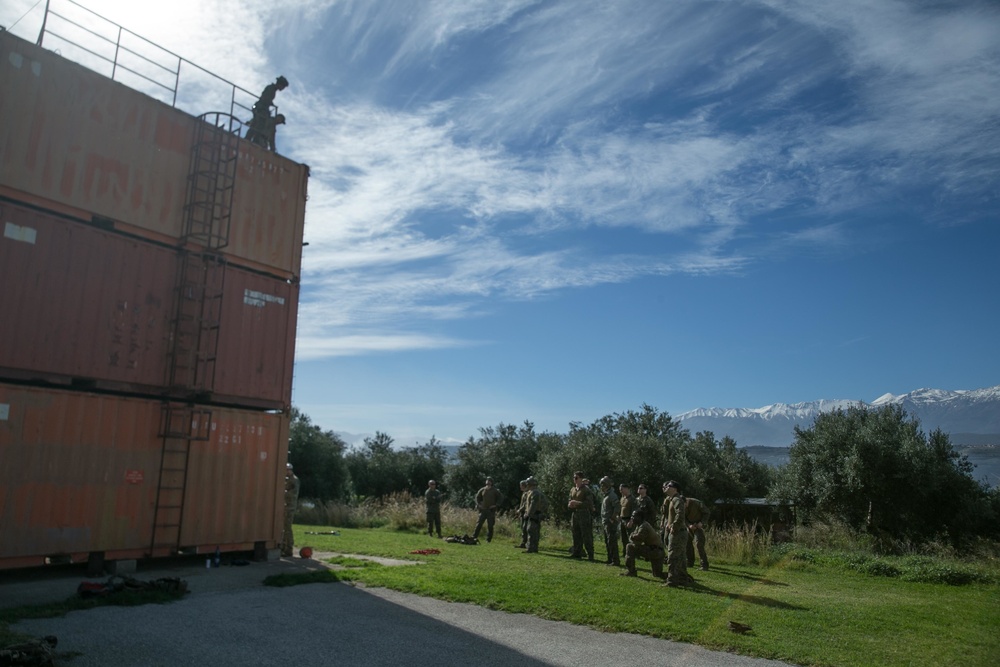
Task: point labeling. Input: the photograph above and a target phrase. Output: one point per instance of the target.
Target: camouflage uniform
(582, 522)
(675, 527)
(645, 505)
(432, 496)
(644, 542)
(487, 501)
(696, 513)
(291, 504)
(628, 506)
(522, 514)
(610, 508)
(533, 511)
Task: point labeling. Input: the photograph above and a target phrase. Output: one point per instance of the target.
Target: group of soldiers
(631, 518)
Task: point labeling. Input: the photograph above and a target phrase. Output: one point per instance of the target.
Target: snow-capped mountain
(962, 414)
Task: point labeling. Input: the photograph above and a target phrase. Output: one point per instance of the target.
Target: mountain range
(968, 417)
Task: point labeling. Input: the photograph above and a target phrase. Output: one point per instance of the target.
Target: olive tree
(318, 459)
(875, 470)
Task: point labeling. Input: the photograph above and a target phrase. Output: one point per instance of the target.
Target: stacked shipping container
(81, 474)
(145, 376)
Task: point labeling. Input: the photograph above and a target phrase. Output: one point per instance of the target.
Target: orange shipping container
(76, 141)
(106, 311)
(86, 473)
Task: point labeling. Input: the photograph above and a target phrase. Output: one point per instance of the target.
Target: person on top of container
(263, 126)
(262, 131)
(262, 107)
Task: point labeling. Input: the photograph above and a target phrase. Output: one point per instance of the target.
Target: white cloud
(678, 127)
(307, 347)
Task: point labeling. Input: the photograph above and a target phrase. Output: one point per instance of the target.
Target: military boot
(657, 567)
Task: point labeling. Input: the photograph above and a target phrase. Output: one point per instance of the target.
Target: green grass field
(802, 609)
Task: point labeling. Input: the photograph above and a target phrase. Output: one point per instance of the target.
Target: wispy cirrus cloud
(464, 153)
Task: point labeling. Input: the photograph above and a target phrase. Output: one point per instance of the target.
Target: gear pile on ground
(32, 653)
(461, 539)
(426, 552)
(120, 584)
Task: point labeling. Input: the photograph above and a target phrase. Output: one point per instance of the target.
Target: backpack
(695, 510)
(543, 505)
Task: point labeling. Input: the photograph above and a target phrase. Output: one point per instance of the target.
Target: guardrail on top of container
(98, 43)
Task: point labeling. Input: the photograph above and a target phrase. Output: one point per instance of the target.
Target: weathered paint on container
(80, 303)
(95, 308)
(75, 141)
(256, 354)
(80, 474)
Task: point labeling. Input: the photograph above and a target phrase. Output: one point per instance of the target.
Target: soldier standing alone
(291, 504)
(432, 496)
(488, 499)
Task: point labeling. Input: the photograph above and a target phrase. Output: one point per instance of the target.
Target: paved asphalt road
(228, 618)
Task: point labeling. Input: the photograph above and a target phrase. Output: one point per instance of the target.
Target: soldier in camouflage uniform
(581, 504)
(644, 504)
(644, 542)
(291, 504)
(676, 530)
(627, 502)
(535, 507)
(610, 509)
(523, 515)
(488, 499)
(696, 513)
(432, 497)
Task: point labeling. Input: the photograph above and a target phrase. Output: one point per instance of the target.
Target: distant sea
(986, 458)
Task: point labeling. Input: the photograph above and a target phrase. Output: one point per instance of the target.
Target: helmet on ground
(306, 552)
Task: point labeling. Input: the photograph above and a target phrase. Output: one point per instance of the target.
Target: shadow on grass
(743, 597)
(745, 575)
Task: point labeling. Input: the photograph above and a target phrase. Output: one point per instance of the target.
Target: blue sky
(552, 211)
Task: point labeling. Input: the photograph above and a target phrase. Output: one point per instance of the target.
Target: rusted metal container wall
(80, 303)
(75, 141)
(235, 484)
(80, 474)
(257, 340)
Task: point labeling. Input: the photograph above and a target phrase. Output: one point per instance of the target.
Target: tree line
(872, 469)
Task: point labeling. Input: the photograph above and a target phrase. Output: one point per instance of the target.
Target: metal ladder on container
(180, 426)
(201, 281)
(208, 206)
